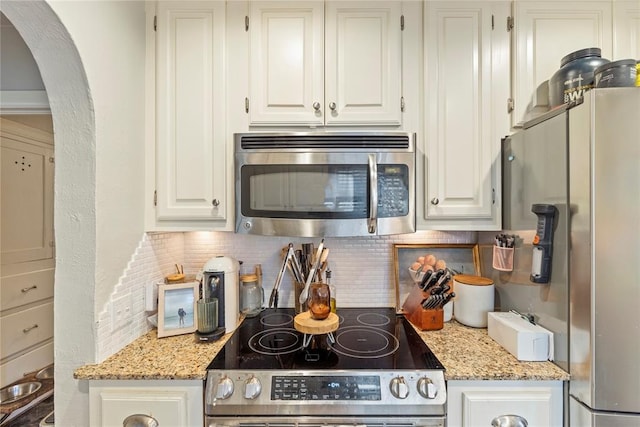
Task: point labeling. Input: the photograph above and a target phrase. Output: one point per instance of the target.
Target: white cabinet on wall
(626, 29)
(169, 402)
(191, 140)
(27, 204)
(334, 63)
(466, 78)
(477, 403)
(26, 250)
(545, 32)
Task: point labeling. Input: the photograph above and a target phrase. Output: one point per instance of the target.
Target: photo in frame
(458, 258)
(177, 308)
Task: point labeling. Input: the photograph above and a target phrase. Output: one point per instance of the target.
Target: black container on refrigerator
(575, 76)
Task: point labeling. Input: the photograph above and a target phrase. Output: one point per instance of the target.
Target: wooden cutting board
(305, 324)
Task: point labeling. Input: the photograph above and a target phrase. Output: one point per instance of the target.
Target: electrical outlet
(151, 296)
(121, 311)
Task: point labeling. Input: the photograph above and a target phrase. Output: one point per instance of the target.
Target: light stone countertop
(467, 354)
(178, 357)
(471, 354)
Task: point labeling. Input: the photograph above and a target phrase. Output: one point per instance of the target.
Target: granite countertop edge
(466, 353)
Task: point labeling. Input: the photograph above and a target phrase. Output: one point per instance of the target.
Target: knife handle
(427, 275)
(427, 302)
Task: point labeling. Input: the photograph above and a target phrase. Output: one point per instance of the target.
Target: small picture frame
(177, 308)
(459, 258)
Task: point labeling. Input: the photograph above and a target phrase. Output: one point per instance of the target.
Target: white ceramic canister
(474, 299)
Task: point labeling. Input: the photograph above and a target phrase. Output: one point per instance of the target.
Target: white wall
(91, 58)
(19, 70)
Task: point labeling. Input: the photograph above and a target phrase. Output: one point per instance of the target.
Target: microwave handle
(372, 222)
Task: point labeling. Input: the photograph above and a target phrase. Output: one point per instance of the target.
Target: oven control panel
(273, 392)
(333, 387)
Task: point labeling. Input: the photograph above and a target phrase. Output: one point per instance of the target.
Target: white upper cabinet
(336, 63)
(191, 142)
(546, 31)
(287, 63)
(27, 202)
(466, 64)
(626, 27)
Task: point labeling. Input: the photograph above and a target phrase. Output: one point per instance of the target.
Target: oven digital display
(325, 388)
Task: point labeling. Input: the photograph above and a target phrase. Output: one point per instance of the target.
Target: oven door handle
(372, 222)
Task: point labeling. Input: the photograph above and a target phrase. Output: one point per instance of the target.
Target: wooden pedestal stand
(310, 327)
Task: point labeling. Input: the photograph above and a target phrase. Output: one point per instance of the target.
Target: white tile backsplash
(362, 270)
(154, 258)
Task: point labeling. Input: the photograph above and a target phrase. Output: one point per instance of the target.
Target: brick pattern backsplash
(362, 270)
(154, 258)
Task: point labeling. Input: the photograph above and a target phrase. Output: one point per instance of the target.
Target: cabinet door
(363, 63)
(477, 403)
(546, 31)
(27, 204)
(191, 139)
(171, 403)
(466, 73)
(287, 63)
(626, 29)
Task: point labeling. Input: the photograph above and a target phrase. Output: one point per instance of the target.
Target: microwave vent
(333, 141)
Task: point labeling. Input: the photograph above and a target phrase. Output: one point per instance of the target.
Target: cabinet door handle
(140, 420)
(215, 203)
(332, 105)
(509, 420)
(25, 330)
(25, 290)
(435, 201)
(316, 106)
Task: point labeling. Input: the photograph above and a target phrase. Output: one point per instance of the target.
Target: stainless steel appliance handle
(373, 190)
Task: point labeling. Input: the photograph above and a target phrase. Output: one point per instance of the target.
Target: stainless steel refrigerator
(585, 161)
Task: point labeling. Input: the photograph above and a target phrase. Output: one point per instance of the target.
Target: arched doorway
(70, 100)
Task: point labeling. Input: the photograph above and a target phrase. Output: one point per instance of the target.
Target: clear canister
(251, 295)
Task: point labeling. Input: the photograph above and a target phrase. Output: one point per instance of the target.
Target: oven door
(324, 193)
(324, 422)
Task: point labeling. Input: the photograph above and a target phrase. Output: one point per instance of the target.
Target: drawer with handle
(21, 330)
(21, 289)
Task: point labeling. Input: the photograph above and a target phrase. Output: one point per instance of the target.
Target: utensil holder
(297, 290)
(424, 319)
(503, 258)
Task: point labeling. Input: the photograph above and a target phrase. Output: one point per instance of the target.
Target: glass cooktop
(366, 339)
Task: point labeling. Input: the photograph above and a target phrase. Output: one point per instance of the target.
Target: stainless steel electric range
(374, 370)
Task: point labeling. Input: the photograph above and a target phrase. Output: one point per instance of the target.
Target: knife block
(424, 319)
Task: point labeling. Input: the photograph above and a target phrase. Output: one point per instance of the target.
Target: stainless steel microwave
(325, 184)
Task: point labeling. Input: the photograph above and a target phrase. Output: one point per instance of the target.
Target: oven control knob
(252, 388)
(224, 388)
(427, 388)
(399, 388)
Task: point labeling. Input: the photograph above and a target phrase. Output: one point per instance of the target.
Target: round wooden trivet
(305, 324)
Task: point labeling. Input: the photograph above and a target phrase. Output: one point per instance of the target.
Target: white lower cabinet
(169, 402)
(477, 403)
